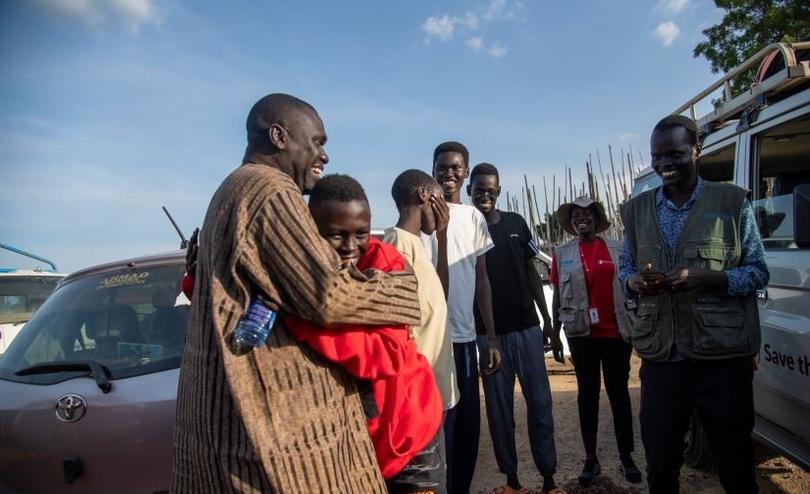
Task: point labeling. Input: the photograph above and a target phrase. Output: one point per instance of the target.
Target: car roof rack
(793, 73)
(28, 254)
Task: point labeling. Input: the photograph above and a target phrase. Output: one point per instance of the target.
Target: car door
(779, 151)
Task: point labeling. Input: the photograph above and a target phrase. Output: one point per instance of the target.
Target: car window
(781, 162)
(128, 320)
(21, 296)
(718, 166)
(644, 183)
(714, 165)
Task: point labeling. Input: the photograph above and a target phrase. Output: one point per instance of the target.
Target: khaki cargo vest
(574, 292)
(706, 325)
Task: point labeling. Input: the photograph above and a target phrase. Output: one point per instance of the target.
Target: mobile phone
(652, 276)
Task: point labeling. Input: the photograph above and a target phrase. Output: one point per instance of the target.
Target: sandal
(505, 489)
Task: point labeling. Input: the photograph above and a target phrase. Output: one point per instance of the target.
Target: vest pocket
(574, 323)
(719, 329)
(566, 287)
(709, 256)
(650, 254)
(643, 335)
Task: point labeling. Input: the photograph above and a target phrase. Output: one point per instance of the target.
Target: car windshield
(131, 320)
(21, 296)
(645, 183)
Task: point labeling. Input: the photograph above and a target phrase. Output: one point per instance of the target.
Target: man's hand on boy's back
(191, 253)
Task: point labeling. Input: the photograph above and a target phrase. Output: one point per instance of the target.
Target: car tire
(696, 451)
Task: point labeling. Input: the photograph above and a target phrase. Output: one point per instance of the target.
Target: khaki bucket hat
(564, 214)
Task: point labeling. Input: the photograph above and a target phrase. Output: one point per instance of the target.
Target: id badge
(593, 314)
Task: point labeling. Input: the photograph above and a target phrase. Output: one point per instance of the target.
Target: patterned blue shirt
(752, 273)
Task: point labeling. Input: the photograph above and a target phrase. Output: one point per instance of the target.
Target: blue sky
(111, 109)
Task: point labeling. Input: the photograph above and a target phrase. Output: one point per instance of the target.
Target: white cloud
(476, 43)
(443, 27)
(671, 6)
(627, 136)
(667, 32)
(468, 20)
(440, 27)
(497, 9)
(86, 10)
(133, 13)
(497, 50)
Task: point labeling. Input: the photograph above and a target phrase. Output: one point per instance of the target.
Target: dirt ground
(775, 473)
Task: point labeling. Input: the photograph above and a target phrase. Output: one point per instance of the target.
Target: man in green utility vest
(691, 262)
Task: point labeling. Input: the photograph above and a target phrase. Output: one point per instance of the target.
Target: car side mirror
(801, 211)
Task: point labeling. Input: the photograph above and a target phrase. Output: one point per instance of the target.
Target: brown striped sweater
(280, 419)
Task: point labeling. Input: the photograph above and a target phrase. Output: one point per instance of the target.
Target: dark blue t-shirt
(512, 301)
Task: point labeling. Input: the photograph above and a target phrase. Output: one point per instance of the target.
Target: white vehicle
(760, 140)
(22, 292)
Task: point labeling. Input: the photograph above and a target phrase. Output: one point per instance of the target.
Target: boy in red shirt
(404, 410)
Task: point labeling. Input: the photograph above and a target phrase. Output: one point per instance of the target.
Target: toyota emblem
(70, 408)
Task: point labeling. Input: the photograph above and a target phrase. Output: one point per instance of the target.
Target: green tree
(556, 231)
(747, 27)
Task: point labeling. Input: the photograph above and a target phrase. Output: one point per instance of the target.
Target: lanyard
(585, 268)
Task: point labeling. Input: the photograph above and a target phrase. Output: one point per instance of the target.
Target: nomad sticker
(123, 280)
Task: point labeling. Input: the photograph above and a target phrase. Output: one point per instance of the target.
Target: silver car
(89, 385)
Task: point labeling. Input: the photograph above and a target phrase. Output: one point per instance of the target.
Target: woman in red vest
(588, 305)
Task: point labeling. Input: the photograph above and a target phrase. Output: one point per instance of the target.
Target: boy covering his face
(422, 210)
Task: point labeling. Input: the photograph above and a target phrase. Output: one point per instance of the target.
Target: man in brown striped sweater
(280, 419)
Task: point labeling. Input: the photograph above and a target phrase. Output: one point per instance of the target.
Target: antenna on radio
(183, 241)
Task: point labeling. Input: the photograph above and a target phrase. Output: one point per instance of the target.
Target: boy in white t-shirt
(467, 241)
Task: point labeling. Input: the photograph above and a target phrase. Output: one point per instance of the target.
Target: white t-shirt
(467, 238)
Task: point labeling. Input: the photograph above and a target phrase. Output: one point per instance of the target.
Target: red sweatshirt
(401, 378)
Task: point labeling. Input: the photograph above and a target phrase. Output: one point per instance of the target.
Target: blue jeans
(462, 425)
(522, 357)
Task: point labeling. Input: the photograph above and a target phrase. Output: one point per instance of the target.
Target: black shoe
(629, 469)
(589, 472)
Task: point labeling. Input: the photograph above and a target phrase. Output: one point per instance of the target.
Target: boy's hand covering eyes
(441, 211)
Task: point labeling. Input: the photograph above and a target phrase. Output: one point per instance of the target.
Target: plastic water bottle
(253, 329)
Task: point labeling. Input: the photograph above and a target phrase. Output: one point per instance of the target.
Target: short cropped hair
(336, 187)
(484, 169)
(673, 121)
(452, 147)
(407, 183)
(274, 108)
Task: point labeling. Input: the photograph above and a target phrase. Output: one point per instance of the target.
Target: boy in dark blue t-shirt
(516, 288)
